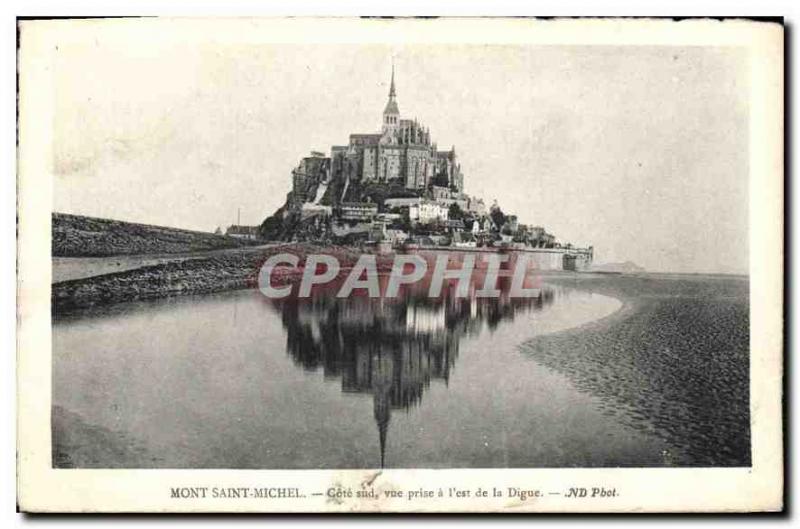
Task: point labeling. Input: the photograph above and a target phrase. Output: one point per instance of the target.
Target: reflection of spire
(391, 348)
(382, 377)
(382, 412)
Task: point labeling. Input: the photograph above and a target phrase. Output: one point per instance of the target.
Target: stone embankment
(79, 236)
(223, 271)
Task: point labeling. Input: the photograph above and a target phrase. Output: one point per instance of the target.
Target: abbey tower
(391, 114)
(402, 152)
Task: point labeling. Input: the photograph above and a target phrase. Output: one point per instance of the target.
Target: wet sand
(674, 361)
(79, 444)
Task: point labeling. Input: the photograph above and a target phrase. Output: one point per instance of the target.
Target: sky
(641, 152)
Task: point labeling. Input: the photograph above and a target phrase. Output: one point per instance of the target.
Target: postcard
(400, 265)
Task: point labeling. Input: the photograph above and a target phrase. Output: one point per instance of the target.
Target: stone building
(427, 211)
(401, 152)
(242, 232)
(357, 211)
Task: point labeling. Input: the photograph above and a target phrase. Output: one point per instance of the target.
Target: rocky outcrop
(627, 267)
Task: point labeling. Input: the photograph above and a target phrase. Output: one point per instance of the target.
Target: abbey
(401, 152)
(395, 189)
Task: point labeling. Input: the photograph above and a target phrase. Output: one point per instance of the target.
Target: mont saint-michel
(398, 189)
(168, 354)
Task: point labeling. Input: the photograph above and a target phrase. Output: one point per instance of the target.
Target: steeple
(391, 114)
(392, 93)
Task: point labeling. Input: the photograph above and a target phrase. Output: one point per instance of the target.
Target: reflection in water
(393, 347)
(231, 381)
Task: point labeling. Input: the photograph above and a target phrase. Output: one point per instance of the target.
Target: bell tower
(391, 114)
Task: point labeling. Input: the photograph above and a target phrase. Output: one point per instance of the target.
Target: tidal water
(236, 380)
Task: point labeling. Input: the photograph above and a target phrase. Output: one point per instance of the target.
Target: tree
(404, 222)
(273, 226)
(455, 212)
(497, 216)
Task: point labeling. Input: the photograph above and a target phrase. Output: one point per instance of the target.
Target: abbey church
(402, 152)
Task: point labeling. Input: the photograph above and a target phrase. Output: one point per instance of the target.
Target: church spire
(391, 114)
(392, 93)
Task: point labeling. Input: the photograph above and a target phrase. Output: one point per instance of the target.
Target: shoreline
(68, 268)
(80, 283)
(149, 277)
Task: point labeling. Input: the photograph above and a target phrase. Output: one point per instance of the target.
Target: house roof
(358, 205)
(368, 139)
(234, 228)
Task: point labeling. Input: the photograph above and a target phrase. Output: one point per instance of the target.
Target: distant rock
(628, 267)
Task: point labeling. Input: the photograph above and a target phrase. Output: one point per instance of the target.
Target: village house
(357, 211)
(398, 203)
(242, 232)
(427, 211)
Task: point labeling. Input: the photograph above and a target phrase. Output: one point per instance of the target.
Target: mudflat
(673, 361)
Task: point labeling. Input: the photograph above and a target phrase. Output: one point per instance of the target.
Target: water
(240, 381)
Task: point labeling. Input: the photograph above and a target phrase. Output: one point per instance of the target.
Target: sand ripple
(674, 361)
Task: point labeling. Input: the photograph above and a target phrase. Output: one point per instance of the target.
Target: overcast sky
(639, 151)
